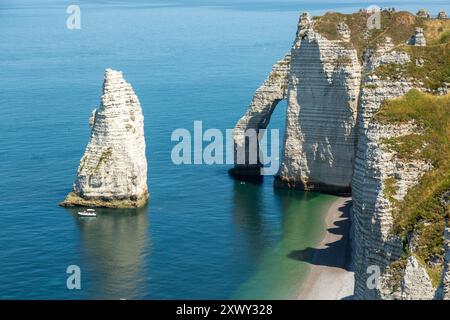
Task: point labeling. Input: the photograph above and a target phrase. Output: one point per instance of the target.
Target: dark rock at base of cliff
(283, 183)
(75, 200)
(250, 174)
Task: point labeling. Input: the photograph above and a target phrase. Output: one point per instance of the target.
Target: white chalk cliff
(374, 243)
(320, 80)
(113, 170)
(320, 135)
(332, 144)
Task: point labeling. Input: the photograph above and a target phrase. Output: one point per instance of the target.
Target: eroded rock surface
(324, 83)
(320, 79)
(257, 117)
(418, 38)
(113, 169)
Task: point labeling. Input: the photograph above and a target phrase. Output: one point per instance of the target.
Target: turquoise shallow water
(203, 235)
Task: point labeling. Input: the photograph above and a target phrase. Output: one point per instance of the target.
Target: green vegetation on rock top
(429, 66)
(399, 26)
(421, 211)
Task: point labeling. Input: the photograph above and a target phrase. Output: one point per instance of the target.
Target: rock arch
(257, 117)
(320, 79)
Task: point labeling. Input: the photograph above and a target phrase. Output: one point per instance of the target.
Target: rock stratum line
(113, 170)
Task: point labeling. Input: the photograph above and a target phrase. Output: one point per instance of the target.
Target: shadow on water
(115, 245)
(247, 216)
(332, 255)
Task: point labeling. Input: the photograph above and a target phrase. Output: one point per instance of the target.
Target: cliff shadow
(336, 252)
(247, 216)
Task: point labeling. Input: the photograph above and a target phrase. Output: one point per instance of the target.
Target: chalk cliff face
(374, 243)
(340, 75)
(320, 80)
(113, 169)
(320, 135)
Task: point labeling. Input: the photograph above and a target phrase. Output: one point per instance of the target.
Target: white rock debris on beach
(113, 170)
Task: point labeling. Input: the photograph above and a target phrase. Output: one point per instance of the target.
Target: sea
(203, 235)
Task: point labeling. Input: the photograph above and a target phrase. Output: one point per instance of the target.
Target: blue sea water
(203, 235)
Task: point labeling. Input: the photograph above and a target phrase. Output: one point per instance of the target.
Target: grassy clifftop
(399, 26)
(429, 67)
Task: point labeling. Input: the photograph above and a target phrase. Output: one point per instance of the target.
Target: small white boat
(87, 213)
